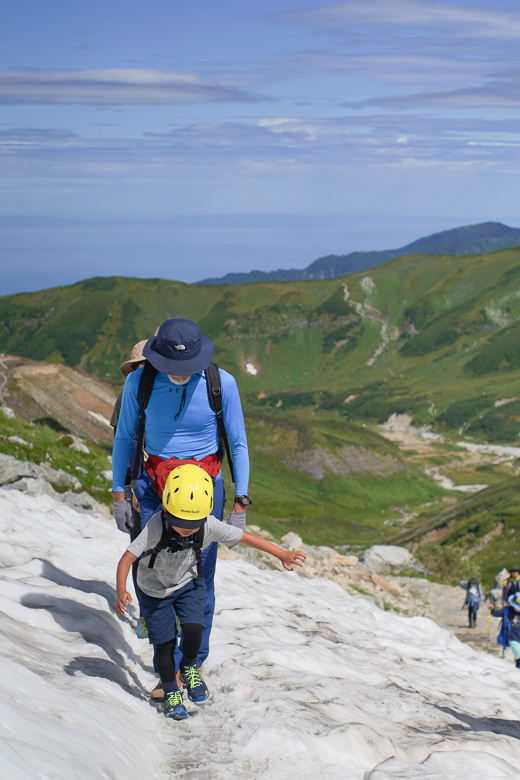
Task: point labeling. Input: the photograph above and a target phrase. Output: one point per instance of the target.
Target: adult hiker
(181, 424)
(509, 632)
(511, 584)
(128, 518)
(170, 581)
(473, 600)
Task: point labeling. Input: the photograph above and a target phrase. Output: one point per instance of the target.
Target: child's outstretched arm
(123, 596)
(288, 557)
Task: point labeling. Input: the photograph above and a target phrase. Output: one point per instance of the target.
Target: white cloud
(502, 91)
(121, 86)
(451, 19)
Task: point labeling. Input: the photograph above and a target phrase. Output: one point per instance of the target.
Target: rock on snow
(306, 681)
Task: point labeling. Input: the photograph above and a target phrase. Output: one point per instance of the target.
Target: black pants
(472, 616)
(191, 638)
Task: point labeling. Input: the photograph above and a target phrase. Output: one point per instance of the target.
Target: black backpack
(214, 388)
(172, 543)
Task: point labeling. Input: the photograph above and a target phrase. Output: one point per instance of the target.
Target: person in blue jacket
(180, 423)
(510, 628)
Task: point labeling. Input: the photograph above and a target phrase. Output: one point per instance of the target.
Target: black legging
(191, 639)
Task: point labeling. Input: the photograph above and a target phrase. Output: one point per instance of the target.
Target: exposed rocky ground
(36, 479)
(36, 390)
(375, 576)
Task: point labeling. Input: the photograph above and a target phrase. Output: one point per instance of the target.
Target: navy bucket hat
(179, 349)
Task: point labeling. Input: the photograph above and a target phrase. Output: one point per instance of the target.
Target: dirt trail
(442, 603)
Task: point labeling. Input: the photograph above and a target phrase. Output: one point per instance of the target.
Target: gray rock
(79, 446)
(12, 470)
(31, 486)
(84, 502)
(58, 477)
(18, 440)
(291, 541)
(383, 559)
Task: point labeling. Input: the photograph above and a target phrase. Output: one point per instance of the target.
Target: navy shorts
(187, 604)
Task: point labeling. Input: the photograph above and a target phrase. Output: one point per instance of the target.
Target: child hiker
(169, 577)
(509, 632)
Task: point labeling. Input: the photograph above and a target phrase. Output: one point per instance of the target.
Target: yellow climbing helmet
(188, 496)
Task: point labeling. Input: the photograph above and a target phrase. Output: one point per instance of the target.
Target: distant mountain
(469, 240)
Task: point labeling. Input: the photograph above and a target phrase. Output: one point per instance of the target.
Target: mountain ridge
(477, 239)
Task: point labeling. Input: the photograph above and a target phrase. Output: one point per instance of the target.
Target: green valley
(319, 365)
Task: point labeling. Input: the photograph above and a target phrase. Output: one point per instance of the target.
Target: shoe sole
(198, 699)
(177, 717)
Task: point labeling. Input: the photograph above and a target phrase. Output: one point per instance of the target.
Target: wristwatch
(243, 500)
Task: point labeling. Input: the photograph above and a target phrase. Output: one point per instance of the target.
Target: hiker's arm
(236, 432)
(125, 434)
(123, 567)
(288, 557)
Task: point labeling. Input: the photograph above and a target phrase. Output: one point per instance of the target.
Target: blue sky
(185, 140)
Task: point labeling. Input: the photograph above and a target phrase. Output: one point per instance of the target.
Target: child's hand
(293, 557)
(122, 600)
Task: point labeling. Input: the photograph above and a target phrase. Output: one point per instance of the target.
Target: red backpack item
(157, 468)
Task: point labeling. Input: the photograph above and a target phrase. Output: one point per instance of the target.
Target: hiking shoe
(173, 706)
(141, 629)
(157, 694)
(195, 685)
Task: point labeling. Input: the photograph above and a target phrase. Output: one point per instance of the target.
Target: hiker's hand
(122, 512)
(122, 600)
(289, 558)
(238, 519)
(135, 503)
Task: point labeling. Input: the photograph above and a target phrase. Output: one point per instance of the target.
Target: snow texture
(306, 681)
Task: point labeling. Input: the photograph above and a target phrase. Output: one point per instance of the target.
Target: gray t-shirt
(172, 572)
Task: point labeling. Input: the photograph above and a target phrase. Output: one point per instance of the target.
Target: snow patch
(306, 681)
(251, 369)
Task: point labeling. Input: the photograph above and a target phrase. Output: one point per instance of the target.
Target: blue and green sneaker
(194, 683)
(173, 706)
(141, 629)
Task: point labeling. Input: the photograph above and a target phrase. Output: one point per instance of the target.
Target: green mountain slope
(433, 336)
(316, 361)
(483, 531)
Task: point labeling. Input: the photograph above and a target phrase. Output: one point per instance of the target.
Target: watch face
(243, 500)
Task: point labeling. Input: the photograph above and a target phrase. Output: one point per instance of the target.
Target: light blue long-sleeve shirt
(193, 435)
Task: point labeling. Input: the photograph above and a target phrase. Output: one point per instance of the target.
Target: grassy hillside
(435, 336)
(316, 361)
(482, 532)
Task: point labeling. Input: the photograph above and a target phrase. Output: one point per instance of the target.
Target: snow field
(306, 681)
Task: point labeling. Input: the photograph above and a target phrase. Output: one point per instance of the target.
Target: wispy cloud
(266, 144)
(450, 19)
(501, 91)
(125, 86)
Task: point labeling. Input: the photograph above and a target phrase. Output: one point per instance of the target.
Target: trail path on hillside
(443, 605)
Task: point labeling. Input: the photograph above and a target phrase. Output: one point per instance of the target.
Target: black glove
(123, 516)
(238, 519)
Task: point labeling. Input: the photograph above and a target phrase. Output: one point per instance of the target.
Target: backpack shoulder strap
(214, 386)
(161, 544)
(143, 396)
(197, 547)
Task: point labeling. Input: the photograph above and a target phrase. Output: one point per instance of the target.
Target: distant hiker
(128, 513)
(511, 584)
(170, 579)
(180, 422)
(509, 631)
(473, 600)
